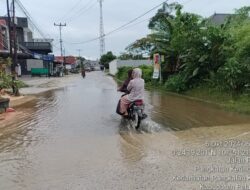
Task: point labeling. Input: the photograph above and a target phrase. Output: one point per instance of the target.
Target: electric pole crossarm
(60, 30)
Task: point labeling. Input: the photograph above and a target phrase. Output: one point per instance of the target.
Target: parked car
(74, 70)
(87, 69)
(92, 68)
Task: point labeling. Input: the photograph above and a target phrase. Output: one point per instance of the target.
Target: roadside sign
(156, 73)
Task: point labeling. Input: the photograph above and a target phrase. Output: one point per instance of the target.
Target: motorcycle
(135, 113)
(83, 73)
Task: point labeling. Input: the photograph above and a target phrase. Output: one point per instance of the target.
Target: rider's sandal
(125, 116)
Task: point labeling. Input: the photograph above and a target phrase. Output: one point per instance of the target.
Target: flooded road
(71, 138)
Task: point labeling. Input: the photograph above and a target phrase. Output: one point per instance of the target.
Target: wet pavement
(71, 138)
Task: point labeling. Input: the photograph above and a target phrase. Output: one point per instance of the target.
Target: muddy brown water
(70, 138)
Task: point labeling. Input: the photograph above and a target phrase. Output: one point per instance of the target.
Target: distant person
(83, 72)
(18, 70)
(102, 67)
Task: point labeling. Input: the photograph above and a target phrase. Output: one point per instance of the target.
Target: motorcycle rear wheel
(135, 120)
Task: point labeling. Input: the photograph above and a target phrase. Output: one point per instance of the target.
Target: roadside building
(115, 64)
(4, 36)
(28, 46)
(219, 18)
(70, 62)
(40, 65)
(91, 65)
(67, 62)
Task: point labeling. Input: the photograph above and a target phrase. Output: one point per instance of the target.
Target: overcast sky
(82, 19)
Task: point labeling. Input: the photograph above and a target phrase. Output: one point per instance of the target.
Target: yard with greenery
(202, 59)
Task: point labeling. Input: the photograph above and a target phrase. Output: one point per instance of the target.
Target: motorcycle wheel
(136, 120)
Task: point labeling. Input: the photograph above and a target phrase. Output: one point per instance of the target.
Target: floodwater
(70, 138)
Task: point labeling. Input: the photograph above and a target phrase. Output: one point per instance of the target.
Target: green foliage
(128, 56)
(176, 83)
(240, 37)
(122, 73)
(6, 82)
(107, 58)
(234, 76)
(4, 61)
(196, 51)
(147, 73)
(6, 79)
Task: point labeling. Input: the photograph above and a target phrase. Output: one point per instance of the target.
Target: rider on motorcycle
(83, 72)
(136, 89)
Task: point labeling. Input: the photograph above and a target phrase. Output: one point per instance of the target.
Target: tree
(196, 51)
(191, 48)
(127, 56)
(107, 58)
(234, 74)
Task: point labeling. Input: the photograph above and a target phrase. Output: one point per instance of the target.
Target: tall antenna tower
(102, 35)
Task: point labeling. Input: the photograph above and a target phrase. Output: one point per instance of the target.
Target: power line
(84, 42)
(55, 46)
(77, 3)
(56, 43)
(186, 2)
(82, 11)
(148, 19)
(31, 20)
(123, 26)
(130, 22)
(4, 46)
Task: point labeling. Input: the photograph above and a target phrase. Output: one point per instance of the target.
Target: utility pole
(102, 35)
(9, 26)
(79, 52)
(60, 29)
(14, 35)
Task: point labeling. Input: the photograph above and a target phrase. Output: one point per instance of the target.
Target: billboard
(156, 73)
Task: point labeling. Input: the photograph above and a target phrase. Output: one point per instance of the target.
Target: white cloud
(84, 25)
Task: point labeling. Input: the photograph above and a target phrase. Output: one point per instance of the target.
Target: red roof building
(68, 59)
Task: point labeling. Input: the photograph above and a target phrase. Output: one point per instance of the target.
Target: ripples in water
(22, 132)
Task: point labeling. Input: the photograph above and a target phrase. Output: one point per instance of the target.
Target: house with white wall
(115, 64)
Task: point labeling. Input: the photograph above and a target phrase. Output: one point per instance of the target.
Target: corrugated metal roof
(68, 60)
(219, 18)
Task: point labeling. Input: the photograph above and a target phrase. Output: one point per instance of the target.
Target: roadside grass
(237, 103)
(22, 84)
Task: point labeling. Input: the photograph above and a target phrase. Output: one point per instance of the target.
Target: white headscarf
(137, 73)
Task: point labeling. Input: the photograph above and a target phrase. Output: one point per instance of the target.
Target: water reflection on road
(71, 138)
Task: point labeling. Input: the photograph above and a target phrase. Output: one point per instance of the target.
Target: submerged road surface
(71, 138)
